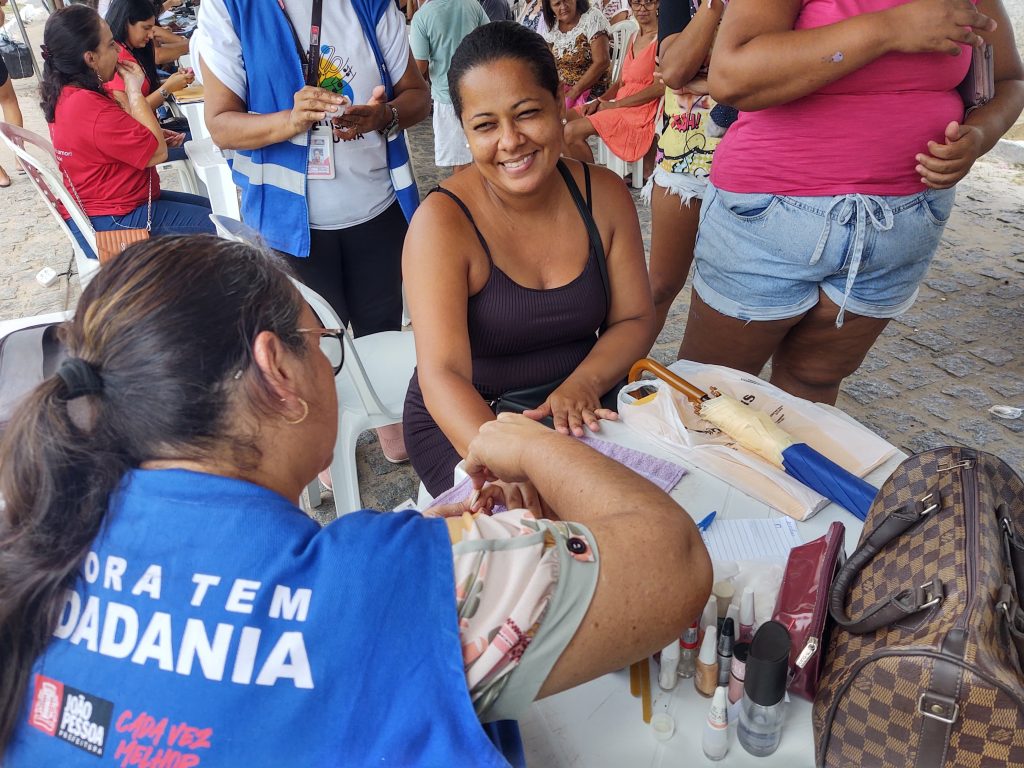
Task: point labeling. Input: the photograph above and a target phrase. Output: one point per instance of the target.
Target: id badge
(320, 160)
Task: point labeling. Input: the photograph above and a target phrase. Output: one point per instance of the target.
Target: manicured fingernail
(919, 169)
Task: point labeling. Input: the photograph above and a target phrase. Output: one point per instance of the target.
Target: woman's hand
(521, 495)
(179, 80)
(591, 107)
(945, 164)
(936, 26)
(132, 76)
(310, 106)
(364, 118)
(174, 139)
(571, 406)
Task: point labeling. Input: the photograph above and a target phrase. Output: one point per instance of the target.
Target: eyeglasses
(332, 344)
(643, 3)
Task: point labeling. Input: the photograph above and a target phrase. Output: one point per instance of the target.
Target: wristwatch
(164, 92)
(391, 128)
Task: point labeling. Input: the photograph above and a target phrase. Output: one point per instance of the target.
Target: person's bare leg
(673, 234)
(712, 337)
(576, 132)
(12, 114)
(815, 356)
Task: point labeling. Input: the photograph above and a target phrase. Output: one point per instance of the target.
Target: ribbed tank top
(519, 337)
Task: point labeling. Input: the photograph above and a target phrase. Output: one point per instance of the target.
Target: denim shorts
(766, 257)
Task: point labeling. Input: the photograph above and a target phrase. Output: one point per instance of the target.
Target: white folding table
(599, 724)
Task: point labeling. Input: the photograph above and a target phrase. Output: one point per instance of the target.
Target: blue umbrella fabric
(829, 479)
(757, 432)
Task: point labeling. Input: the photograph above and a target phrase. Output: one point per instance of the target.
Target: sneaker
(392, 443)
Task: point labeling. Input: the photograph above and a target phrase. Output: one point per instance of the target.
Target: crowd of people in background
(527, 287)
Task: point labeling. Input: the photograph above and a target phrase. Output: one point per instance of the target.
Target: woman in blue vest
(162, 597)
(342, 221)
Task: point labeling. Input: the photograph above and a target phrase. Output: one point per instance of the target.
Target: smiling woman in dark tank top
(503, 265)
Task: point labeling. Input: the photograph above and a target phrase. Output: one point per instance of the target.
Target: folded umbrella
(756, 432)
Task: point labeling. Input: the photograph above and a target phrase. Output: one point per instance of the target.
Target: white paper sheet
(751, 539)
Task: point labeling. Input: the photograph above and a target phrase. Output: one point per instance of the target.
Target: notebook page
(751, 539)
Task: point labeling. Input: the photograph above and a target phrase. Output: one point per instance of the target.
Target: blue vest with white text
(214, 624)
(273, 178)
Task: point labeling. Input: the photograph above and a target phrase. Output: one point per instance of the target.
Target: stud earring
(564, 121)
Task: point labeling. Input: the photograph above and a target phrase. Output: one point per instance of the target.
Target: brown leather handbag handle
(900, 605)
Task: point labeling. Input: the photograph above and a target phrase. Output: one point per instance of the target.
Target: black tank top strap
(586, 181)
(596, 245)
(469, 216)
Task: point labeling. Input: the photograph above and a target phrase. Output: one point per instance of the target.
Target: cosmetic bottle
(709, 618)
(726, 640)
(716, 730)
(688, 651)
(737, 671)
(668, 672)
(706, 678)
(762, 710)
(746, 615)
(723, 592)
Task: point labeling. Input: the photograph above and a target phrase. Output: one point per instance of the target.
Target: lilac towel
(663, 474)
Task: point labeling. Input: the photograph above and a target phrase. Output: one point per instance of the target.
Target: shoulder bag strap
(588, 220)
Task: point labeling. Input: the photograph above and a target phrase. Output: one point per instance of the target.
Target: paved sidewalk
(929, 380)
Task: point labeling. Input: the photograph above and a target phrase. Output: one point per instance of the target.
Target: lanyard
(310, 60)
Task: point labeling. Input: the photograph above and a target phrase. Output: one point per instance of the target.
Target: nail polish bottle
(688, 651)
(709, 618)
(706, 678)
(725, 643)
(762, 710)
(716, 731)
(737, 671)
(747, 615)
(668, 672)
(723, 592)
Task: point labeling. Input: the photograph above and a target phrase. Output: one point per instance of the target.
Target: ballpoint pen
(704, 524)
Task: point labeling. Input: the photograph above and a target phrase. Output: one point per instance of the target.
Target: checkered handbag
(923, 668)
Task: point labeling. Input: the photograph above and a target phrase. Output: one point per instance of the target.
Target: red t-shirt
(103, 151)
(117, 84)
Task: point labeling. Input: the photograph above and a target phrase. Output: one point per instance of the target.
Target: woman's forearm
(998, 116)
(456, 406)
(779, 67)
(243, 130)
(647, 95)
(621, 345)
(139, 108)
(683, 57)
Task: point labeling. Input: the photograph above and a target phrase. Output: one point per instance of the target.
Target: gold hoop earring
(302, 418)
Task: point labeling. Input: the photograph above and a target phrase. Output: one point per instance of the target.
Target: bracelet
(164, 92)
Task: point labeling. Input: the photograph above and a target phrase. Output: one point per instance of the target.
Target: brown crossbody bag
(110, 243)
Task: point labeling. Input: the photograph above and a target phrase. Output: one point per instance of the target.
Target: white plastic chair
(621, 34)
(211, 167)
(371, 386)
(50, 186)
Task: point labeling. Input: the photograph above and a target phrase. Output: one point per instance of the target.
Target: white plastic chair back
(371, 386)
(50, 186)
(620, 35)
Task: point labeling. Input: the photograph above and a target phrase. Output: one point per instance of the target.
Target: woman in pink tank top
(829, 195)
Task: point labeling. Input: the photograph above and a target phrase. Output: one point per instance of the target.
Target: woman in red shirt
(106, 154)
(133, 25)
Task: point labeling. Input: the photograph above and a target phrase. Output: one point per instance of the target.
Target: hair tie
(45, 52)
(80, 378)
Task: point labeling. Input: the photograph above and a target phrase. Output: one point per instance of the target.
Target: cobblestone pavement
(929, 380)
